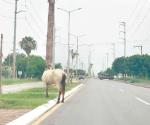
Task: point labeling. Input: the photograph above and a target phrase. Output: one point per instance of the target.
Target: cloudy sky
(97, 22)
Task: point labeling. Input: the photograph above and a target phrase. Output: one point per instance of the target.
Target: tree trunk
(49, 45)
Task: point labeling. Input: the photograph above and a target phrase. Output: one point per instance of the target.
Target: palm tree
(28, 44)
(73, 55)
(50, 34)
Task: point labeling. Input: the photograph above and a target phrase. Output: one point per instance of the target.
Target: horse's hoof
(57, 102)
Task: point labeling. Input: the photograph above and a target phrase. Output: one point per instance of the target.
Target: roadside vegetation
(29, 68)
(136, 80)
(31, 98)
(136, 68)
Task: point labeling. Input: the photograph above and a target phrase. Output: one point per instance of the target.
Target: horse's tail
(63, 79)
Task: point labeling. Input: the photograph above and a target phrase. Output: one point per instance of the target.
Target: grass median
(31, 98)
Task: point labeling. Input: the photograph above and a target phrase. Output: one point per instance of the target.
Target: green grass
(29, 99)
(135, 80)
(17, 81)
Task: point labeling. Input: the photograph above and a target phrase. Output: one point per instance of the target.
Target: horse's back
(47, 76)
(55, 75)
(58, 74)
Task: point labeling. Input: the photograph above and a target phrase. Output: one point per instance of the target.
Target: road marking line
(141, 100)
(43, 117)
(54, 109)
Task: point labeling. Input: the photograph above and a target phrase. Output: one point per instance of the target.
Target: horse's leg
(58, 97)
(63, 94)
(46, 89)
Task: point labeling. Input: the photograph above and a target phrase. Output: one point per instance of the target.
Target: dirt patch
(8, 115)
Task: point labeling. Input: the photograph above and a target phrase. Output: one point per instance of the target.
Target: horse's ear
(49, 67)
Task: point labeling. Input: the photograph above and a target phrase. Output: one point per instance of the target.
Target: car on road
(105, 76)
(81, 77)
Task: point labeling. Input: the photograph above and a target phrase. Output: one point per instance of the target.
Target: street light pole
(77, 50)
(69, 15)
(68, 60)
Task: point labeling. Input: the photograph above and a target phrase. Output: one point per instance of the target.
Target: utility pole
(1, 55)
(68, 60)
(107, 54)
(77, 49)
(77, 56)
(141, 49)
(50, 35)
(123, 24)
(14, 41)
(114, 51)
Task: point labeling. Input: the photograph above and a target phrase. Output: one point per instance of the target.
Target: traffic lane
(99, 102)
(140, 93)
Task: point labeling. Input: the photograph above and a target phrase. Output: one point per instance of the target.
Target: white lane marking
(141, 100)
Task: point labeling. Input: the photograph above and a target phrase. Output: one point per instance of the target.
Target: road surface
(103, 102)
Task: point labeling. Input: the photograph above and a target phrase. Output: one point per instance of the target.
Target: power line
(142, 21)
(33, 30)
(36, 12)
(134, 10)
(5, 1)
(138, 26)
(36, 22)
(139, 12)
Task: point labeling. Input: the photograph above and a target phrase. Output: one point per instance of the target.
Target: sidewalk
(7, 115)
(10, 114)
(20, 87)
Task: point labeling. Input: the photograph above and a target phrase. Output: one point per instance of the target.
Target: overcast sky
(98, 21)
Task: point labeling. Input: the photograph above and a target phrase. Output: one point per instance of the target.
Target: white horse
(55, 76)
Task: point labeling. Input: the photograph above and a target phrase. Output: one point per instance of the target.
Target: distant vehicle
(105, 76)
(81, 77)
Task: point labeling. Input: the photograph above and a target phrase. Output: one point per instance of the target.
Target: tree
(109, 71)
(139, 65)
(119, 65)
(136, 66)
(50, 34)
(21, 62)
(58, 66)
(28, 44)
(36, 67)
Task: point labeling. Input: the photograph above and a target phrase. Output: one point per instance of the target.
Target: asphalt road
(104, 102)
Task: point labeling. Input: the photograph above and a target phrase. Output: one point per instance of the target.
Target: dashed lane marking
(141, 100)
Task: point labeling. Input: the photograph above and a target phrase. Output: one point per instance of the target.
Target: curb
(33, 115)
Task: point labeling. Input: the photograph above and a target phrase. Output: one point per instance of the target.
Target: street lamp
(68, 60)
(77, 51)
